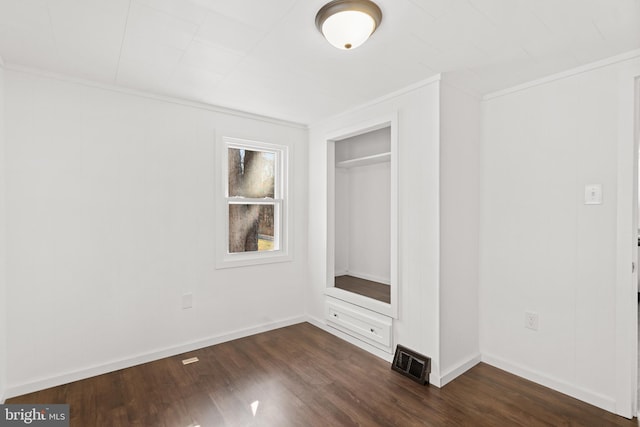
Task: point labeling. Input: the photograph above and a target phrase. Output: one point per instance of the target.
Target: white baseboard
(434, 380)
(65, 378)
(601, 401)
(363, 345)
(373, 278)
(460, 369)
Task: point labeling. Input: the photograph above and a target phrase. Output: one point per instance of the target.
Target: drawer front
(360, 323)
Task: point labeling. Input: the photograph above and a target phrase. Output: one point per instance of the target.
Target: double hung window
(255, 202)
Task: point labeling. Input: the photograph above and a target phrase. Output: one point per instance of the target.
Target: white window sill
(247, 259)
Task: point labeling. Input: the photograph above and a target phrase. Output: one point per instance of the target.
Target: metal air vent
(411, 364)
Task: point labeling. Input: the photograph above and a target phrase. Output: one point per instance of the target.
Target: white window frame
(225, 259)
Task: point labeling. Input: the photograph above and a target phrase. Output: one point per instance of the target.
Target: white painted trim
(462, 367)
(322, 324)
(434, 380)
(360, 300)
(282, 226)
(3, 225)
(373, 278)
(626, 331)
(379, 122)
(601, 401)
(67, 377)
(564, 74)
(362, 127)
(446, 81)
(403, 91)
(143, 94)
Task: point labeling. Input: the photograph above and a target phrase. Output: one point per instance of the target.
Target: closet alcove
(362, 259)
(362, 285)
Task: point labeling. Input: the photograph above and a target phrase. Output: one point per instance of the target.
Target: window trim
(224, 259)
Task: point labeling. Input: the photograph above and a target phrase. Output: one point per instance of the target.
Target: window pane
(251, 228)
(251, 173)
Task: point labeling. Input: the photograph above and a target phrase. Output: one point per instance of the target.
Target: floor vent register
(412, 364)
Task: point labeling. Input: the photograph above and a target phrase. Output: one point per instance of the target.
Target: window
(255, 205)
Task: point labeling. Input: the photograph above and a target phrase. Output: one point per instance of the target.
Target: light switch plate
(593, 194)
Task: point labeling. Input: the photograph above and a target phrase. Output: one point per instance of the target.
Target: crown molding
(564, 74)
(403, 91)
(149, 95)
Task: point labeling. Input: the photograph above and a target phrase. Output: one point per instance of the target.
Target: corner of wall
(533, 215)
(3, 283)
(459, 228)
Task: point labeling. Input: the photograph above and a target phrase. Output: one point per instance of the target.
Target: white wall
(369, 219)
(459, 230)
(542, 248)
(110, 210)
(3, 283)
(418, 151)
(366, 144)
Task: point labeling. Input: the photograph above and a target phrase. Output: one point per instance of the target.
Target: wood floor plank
(303, 376)
(367, 288)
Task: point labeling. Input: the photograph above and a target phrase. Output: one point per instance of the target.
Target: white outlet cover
(531, 320)
(187, 301)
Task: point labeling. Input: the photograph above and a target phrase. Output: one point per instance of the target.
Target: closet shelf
(364, 161)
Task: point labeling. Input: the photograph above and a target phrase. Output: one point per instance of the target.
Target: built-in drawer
(369, 326)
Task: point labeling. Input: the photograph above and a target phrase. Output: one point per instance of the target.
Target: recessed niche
(363, 218)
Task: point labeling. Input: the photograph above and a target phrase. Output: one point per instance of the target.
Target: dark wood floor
(303, 376)
(368, 288)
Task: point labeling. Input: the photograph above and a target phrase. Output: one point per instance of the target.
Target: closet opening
(362, 217)
(362, 214)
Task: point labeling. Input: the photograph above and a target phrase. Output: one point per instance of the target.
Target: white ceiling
(266, 56)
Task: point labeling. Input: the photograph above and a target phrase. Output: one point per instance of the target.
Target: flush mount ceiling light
(347, 24)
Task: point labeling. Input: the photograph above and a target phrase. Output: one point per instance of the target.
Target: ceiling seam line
(124, 36)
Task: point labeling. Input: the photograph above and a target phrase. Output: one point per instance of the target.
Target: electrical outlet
(187, 301)
(531, 320)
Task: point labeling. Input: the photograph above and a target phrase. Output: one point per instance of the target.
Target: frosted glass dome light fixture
(347, 24)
